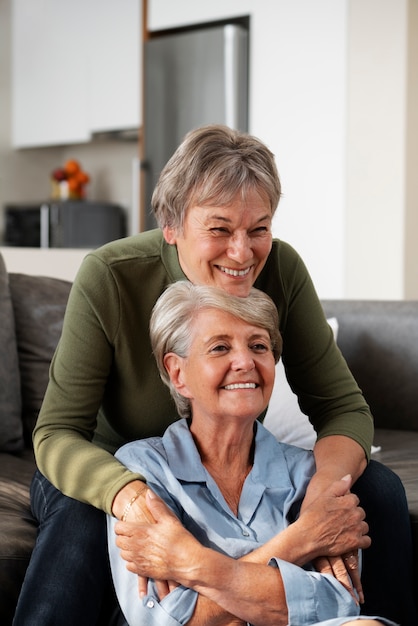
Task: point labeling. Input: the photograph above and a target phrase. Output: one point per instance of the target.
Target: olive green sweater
(105, 389)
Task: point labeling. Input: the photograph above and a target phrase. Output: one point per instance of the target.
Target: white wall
(377, 130)
(411, 205)
(299, 108)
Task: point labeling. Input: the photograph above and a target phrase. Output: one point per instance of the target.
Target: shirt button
(245, 533)
(150, 604)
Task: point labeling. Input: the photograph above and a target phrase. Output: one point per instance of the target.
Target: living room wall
(382, 150)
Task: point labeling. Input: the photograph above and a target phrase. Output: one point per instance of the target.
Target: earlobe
(174, 366)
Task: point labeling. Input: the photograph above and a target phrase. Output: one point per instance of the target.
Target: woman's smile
(234, 272)
(234, 386)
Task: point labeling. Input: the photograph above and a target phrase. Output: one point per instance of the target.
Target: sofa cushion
(17, 527)
(11, 432)
(39, 303)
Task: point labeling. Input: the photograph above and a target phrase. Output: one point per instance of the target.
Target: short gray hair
(178, 306)
(212, 165)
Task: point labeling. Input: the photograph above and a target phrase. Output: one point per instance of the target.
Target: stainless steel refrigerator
(191, 78)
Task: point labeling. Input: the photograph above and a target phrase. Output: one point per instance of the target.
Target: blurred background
(330, 86)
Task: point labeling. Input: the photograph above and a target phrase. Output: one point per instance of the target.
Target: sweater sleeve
(78, 376)
(315, 368)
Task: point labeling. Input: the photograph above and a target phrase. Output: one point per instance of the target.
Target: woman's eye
(260, 347)
(219, 230)
(220, 348)
(260, 230)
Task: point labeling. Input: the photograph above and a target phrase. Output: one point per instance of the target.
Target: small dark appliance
(67, 224)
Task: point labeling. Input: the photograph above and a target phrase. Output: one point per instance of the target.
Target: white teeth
(230, 272)
(241, 386)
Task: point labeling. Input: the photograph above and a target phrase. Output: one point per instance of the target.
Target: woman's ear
(174, 364)
(170, 234)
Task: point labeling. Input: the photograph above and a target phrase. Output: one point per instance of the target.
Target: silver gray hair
(178, 306)
(213, 165)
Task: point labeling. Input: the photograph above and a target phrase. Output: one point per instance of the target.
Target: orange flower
(82, 177)
(72, 167)
(73, 185)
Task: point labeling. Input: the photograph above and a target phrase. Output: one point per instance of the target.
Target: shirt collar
(270, 467)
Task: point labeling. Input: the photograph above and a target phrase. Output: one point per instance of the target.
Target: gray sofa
(378, 339)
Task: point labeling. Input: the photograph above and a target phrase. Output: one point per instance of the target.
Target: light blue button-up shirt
(270, 501)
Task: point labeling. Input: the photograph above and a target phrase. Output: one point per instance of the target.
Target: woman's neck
(228, 455)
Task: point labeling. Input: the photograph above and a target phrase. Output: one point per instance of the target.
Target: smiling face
(227, 246)
(229, 371)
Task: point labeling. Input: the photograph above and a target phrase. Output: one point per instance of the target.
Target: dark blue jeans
(68, 580)
(387, 575)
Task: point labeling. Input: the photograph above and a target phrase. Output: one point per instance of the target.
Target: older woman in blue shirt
(228, 485)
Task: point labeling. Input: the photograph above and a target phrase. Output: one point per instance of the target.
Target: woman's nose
(239, 248)
(243, 360)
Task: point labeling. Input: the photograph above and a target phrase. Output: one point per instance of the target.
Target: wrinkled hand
(334, 522)
(162, 550)
(341, 532)
(338, 567)
(139, 513)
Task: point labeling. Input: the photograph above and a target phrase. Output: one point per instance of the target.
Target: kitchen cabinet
(76, 69)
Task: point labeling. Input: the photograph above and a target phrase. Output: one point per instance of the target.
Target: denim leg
(387, 574)
(68, 575)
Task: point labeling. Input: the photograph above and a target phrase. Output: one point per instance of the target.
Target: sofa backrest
(38, 304)
(379, 340)
(11, 430)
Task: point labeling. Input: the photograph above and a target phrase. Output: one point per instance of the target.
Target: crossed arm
(244, 590)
